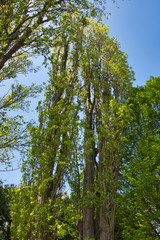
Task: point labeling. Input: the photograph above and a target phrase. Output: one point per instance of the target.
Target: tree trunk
(107, 222)
(109, 169)
(88, 177)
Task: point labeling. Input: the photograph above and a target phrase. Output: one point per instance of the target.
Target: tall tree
(90, 79)
(52, 141)
(107, 80)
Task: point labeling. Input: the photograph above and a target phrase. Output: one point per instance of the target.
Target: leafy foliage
(88, 72)
(27, 27)
(13, 128)
(96, 134)
(139, 201)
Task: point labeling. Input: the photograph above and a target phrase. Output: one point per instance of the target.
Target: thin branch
(10, 170)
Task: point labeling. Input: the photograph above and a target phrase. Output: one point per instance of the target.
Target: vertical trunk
(107, 221)
(80, 229)
(109, 169)
(88, 211)
(88, 180)
(79, 223)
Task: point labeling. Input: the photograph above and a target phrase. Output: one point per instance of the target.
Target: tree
(81, 121)
(51, 143)
(139, 199)
(107, 80)
(5, 218)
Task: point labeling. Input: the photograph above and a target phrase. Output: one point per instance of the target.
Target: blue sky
(136, 25)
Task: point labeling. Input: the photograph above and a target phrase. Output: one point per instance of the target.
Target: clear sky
(136, 25)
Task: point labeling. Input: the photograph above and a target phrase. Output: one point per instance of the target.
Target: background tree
(139, 199)
(5, 218)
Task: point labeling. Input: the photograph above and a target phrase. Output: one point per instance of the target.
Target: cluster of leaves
(13, 133)
(27, 27)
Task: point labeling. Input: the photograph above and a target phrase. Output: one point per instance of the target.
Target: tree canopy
(27, 28)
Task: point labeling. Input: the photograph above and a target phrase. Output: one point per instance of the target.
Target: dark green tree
(139, 199)
(5, 218)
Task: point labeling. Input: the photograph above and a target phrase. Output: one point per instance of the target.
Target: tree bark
(109, 169)
(90, 158)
